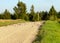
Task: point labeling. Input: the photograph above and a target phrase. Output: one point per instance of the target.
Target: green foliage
(33, 16)
(44, 15)
(37, 18)
(7, 14)
(53, 13)
(58, 15)
(32, 13)
(1, 16)
(32, 10)
(58, 20)
(20, 11)
(16, 16)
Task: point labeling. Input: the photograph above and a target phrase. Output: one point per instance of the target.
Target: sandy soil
(19, 33)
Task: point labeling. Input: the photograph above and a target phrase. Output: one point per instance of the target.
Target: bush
(59, 21)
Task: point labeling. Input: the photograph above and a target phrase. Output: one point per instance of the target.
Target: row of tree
(21, 13)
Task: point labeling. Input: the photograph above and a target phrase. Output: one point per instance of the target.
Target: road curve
(19, 33)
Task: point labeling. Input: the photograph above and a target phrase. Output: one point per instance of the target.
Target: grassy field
(49, 33)
(9, 22)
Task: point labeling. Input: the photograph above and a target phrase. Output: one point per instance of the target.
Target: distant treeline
(21, 13)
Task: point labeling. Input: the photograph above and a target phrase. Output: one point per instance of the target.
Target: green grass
(9, 22)
(50, 33)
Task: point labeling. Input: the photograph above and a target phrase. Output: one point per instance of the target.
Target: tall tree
(20, 10)
(7, 14)
(32, 13)
(58, 15)
(37, 16)
(44, 15)
(1, 16)
(53, 13)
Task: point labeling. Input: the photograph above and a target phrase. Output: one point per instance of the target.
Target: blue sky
(39, 5)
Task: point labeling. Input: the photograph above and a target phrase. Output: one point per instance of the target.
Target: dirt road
(19, 33)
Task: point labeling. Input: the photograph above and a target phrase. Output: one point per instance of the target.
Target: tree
(53, 13)
(44, 15)
(32, 13)
(14, 16)
(20, 11)
(58, 15)
(37, 16)
(1, 16)
(7, 14)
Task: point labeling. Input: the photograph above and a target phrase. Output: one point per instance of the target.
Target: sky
(40, 5)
